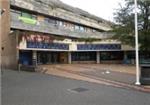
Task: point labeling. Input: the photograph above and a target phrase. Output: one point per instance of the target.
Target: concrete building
(49, 31)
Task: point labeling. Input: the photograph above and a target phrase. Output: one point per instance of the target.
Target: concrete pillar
(17, 50)
(34, 58)
(97, 57)
(69, 58)
(125, 56)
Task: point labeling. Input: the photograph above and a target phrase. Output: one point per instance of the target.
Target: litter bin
(145, 74)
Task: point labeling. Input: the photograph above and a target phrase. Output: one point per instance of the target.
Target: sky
(100, 8)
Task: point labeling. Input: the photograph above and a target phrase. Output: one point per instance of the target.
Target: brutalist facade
(49, 31)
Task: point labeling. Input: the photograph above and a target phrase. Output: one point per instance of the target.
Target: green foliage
(124, 30)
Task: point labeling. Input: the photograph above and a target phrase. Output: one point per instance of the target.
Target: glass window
(72, 26)
(77, 27)
(94, 30)
(27, 15)
(89, 30)
(40, 18)
(82, 29)
(34, 17)
(100, 21)
(111, 55)
(61, 23)
(52, 21)
(85, 29)
(15, 11)
(57, 22)
(83, 56)
(46, 19)
(65, 24)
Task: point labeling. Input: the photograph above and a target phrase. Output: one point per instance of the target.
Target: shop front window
(83, 56)
(112, 55)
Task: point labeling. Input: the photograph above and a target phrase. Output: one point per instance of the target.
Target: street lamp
(136, 46)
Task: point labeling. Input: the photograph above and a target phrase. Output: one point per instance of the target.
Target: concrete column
(34, 58)
(69, 58)
(97, 57)
(17, 50)
(125, 56)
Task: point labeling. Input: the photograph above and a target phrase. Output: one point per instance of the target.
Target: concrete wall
(127, 48)
(8, 41)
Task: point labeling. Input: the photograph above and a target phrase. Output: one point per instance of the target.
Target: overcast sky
(100, 8)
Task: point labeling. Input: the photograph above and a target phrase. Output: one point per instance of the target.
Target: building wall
(8, 41)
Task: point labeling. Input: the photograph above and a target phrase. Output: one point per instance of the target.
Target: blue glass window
(98, 46)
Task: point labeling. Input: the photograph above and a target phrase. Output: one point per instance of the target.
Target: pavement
(109, 74)
(32, 88)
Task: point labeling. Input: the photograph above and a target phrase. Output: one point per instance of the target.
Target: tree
(124, 30)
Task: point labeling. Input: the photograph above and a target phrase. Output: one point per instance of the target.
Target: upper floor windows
(82, 29)
(51, 21)
(94, 30)
(77, 27)
(34, 17)
(60, 23)
(28, 15)
(15, 11)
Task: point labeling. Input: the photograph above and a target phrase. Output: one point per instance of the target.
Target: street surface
(27, 88)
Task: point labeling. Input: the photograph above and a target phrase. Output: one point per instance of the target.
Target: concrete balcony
(45, 27)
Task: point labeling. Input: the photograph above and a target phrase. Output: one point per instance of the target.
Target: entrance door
(48, 57)
(42, 58)
(111, 57)
(25, 57)
(63, 57)
(55, 57)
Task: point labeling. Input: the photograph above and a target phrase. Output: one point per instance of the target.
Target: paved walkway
(109, 74)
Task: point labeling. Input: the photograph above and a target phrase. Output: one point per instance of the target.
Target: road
(26, 88)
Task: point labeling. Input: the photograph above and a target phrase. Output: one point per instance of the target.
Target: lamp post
(136, 46)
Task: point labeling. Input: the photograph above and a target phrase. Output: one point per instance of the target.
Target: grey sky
(101, 8)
